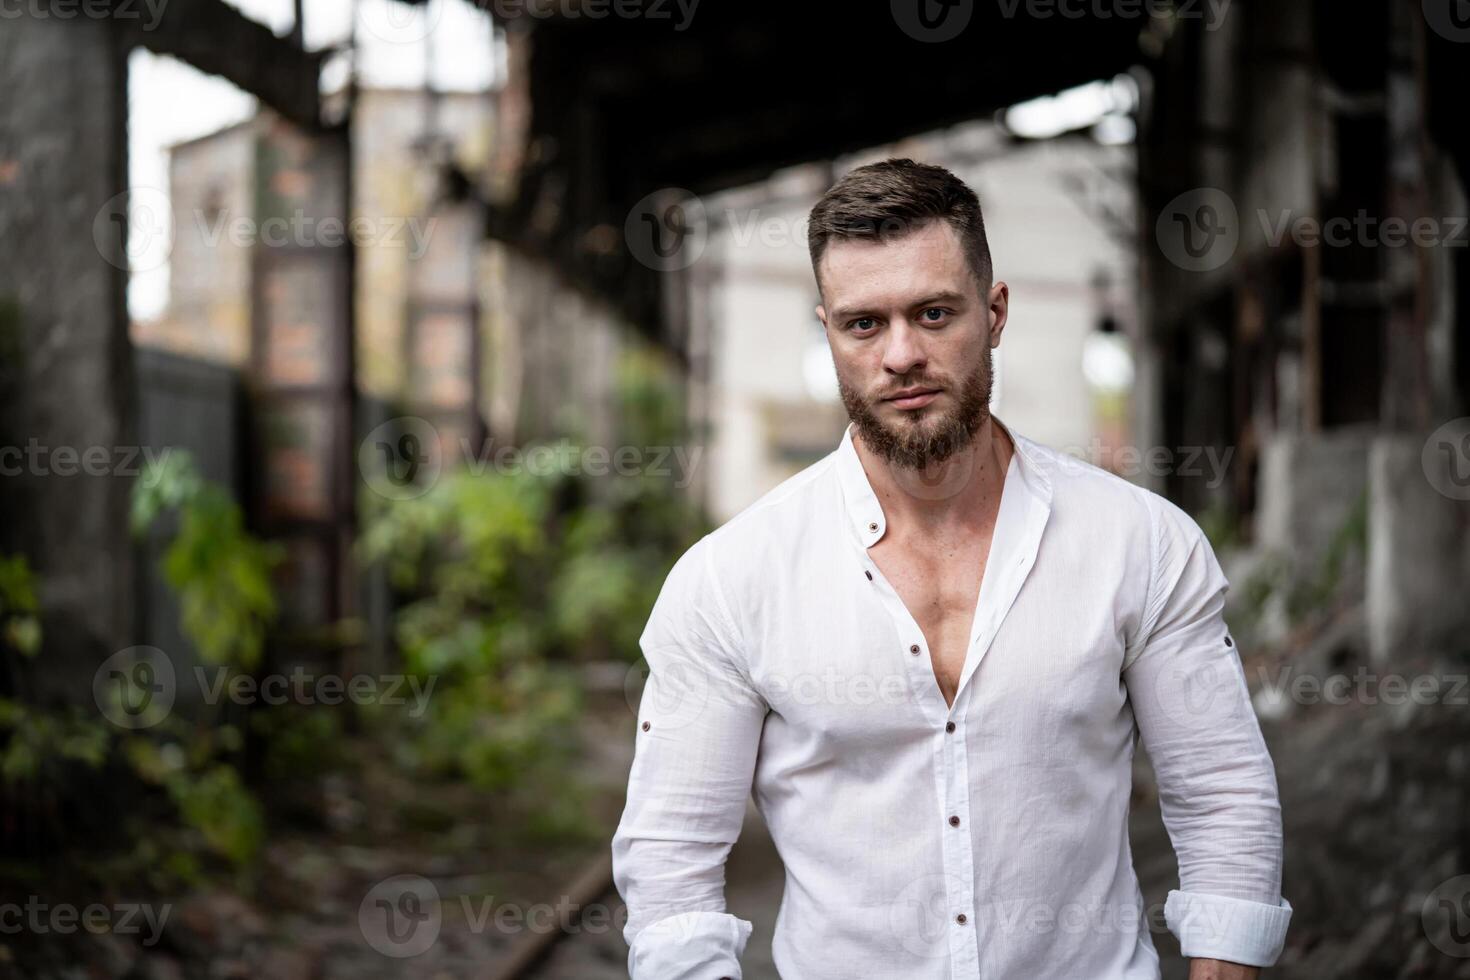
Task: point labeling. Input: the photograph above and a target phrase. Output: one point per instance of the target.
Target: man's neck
(962, 490)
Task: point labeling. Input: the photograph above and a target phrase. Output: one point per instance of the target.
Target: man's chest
(871, 654)
(938, 583)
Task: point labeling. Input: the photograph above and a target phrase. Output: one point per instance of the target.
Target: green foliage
(1306, 593)
(209, 795)
(509, 579)
(220, 572)
(20, 621)
(40, 744)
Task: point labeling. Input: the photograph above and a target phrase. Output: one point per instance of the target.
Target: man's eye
(934, 314)
(862, 324)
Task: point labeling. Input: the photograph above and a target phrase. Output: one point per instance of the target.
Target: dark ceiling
(620, 107)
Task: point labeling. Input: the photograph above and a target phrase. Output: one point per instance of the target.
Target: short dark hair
(894, 197)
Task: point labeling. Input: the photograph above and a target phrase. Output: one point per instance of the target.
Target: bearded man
(931, 655)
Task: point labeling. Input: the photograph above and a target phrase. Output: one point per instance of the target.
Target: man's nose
(904, 351)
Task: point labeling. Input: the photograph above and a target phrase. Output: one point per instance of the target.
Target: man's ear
(999, 302)
(822, 315)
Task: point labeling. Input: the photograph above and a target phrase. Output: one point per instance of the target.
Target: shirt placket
(952, 778)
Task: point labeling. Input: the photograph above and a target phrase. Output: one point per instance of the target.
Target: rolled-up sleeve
(1217, 784)
(698, 730)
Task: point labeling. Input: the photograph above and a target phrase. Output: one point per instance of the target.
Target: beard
(926, 435)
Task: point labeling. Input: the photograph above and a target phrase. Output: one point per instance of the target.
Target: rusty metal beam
(216, 38)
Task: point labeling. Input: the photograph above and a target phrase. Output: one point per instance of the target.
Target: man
(932, 654)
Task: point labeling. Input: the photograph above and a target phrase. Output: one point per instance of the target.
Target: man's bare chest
(939, 586)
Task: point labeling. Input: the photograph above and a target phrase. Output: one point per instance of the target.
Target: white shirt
(988, 839)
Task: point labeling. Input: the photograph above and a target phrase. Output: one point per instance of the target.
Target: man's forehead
(928, 261)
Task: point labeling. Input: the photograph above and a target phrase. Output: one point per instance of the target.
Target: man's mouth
(911, 398)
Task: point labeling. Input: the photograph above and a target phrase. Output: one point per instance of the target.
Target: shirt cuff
(689, 945)
(1213, 927)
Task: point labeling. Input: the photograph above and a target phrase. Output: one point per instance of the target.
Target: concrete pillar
(1418, 552)
(66, 373)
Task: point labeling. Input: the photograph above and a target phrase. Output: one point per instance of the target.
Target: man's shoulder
(778, 520)
(1102, 498)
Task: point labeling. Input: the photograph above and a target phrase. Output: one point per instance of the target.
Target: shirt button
(914, 649)
(873, 526)
(949, 726)
(961, 918)
(954, 821)
(646, 726)
(1228, 641)
(868, 574)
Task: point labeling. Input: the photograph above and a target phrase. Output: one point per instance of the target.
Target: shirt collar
(1027, 476)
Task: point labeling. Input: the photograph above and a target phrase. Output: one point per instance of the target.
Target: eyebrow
(944, 296)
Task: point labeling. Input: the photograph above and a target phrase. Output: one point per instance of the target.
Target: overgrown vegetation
(222, 577)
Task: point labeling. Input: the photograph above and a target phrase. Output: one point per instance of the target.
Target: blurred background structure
(406, 345)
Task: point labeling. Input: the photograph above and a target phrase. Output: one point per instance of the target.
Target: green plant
(508, 580)
(220, 572)
(20, 621)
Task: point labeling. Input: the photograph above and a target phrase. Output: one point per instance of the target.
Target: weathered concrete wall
(65, 373)
(1418, 552)
(1309, 487)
